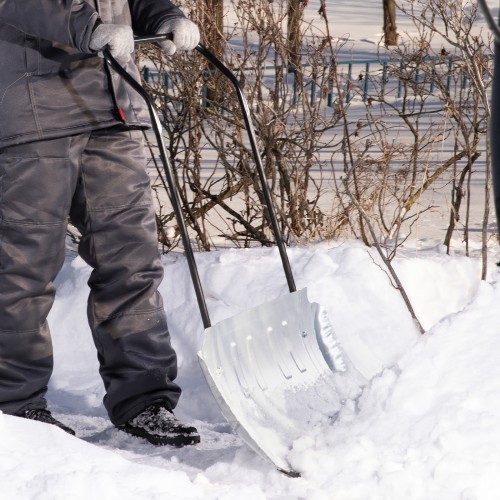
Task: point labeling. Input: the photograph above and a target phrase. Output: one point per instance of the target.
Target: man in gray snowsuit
(71, 144)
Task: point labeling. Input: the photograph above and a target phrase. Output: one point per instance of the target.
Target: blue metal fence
(375, 75)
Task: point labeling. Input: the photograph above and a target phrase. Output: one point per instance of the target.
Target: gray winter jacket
(51, 84)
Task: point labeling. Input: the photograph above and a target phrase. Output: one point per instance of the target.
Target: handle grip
(152, 38)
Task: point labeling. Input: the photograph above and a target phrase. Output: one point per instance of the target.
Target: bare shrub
(332, 144)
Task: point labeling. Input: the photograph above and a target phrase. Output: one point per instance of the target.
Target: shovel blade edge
(269, 376)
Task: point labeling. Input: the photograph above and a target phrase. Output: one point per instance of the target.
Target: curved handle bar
(175, 198)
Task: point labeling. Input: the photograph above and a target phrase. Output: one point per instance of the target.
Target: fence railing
(372, 74)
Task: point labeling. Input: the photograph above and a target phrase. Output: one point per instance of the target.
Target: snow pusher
(276, 369)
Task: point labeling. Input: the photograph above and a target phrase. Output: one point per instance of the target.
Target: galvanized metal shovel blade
(267, 372)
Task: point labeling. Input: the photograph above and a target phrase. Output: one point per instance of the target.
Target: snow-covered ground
(424, 426)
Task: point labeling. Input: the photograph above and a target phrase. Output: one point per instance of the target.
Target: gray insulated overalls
(64, 150)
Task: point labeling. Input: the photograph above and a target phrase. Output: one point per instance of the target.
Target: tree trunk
(390, 33)
(213, 27)
(213, 22)
(295, 15)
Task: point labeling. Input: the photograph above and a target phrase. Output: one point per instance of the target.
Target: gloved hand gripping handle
(175, 198)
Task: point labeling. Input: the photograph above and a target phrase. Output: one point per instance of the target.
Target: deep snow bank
(425, 426)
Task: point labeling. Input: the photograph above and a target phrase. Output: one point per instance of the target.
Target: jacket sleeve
(69, 22)
(148, 15)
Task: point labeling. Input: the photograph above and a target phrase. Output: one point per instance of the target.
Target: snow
(425, 425)
(421, 422)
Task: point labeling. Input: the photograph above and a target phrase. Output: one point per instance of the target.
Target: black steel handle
(245, 110)
(176, 202)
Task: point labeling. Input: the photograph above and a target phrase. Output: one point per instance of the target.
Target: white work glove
(185, 35)
(118, 38)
